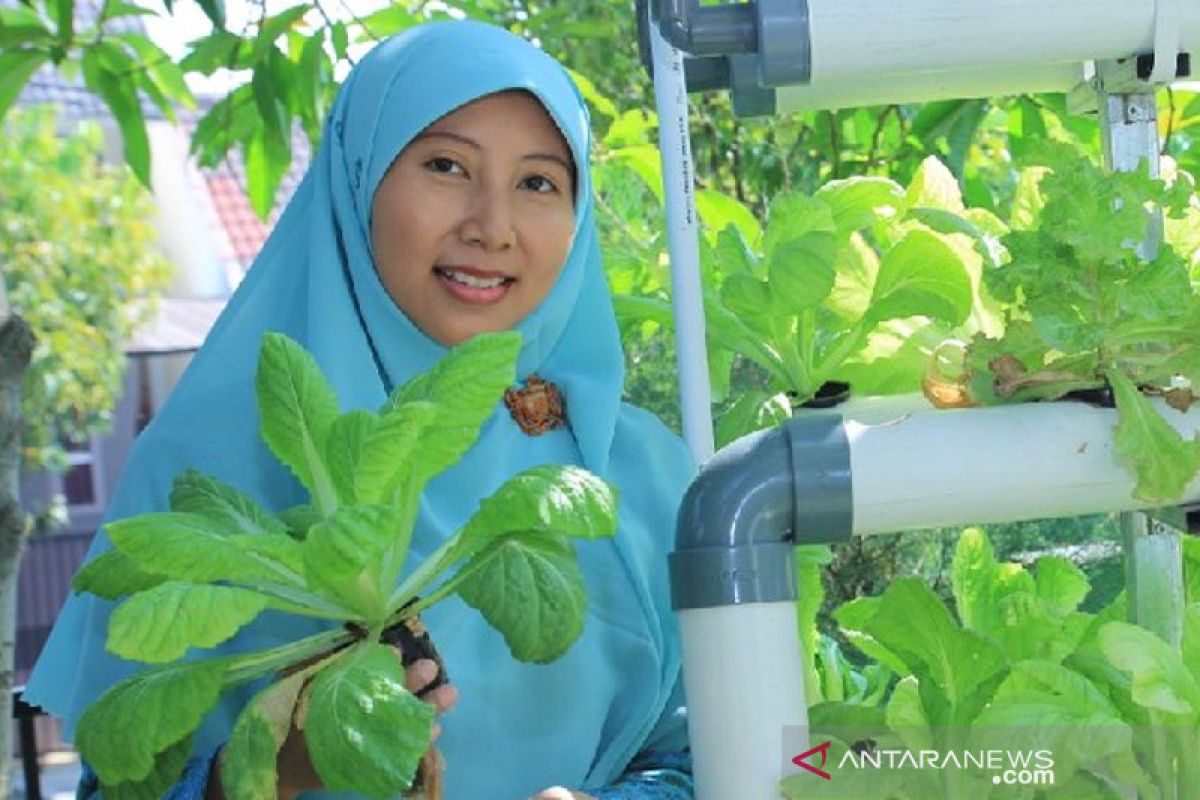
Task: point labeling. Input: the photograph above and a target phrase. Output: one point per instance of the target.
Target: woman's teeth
(471, 280)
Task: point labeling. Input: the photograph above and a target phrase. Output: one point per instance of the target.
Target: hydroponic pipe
(683, 244)
(879, 465)
(734, 590)
(926, 87)
(929, 468)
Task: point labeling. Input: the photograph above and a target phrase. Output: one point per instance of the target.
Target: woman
(450, 196)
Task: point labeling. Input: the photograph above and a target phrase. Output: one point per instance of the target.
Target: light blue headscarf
(517, 728)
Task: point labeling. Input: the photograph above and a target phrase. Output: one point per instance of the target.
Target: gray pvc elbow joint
(752, 504)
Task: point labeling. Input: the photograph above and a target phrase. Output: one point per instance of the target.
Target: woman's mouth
(471, 286)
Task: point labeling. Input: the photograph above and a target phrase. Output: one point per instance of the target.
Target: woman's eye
(445, 165)
(539, 183)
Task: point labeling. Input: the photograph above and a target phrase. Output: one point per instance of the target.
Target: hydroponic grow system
(881, 465)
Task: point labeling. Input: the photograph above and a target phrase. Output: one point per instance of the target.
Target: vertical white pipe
(687, 298)
(745, 683)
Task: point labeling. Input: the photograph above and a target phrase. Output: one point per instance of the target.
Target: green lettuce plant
(1017, 666)
(194, 575)
(833, 275)
(1086, 311)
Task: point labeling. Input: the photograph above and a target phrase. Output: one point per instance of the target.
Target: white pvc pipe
(744, 683)
(930, 86)
(919, 468)
(683, 243)
(854, 39)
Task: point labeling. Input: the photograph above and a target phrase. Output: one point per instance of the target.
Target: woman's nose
(489, 221)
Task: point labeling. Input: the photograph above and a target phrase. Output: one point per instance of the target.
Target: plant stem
(305, 603)
(254, 665)
(437, 562)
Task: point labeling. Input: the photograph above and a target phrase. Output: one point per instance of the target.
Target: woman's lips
(458, 284)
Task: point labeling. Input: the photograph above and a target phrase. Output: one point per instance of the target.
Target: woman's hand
(559, 793)
(296, 772)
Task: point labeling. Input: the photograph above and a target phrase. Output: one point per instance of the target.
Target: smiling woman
(473, 221)
(450, 196)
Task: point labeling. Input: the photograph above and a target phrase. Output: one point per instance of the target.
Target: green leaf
(339, 549)
(104, 68)
(189, 547)
(1061, 586)
(162, 704)
(268, 157)
(344, 448)
(297, 406)
(934, 186)
(861, 201)
(550, 499)
(111, 575)
(248, 767)
(1163, 461)
(921, 275)
(466, 386)
(394, 452)
(160, 624)
(16, 68)
(718, 211)
(276, 25)
(1161, 681)
(162, 71)
(959, 662)
(215, 11)
(168, 766)
(801, 271)
(593, 95)
(750, 299)
(791, 216)
(197, 493)
(531, 590)
(365, 731)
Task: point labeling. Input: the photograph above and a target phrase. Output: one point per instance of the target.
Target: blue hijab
(517, 728)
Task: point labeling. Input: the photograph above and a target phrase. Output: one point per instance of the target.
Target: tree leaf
(111, 575)
(161, 704)
(16, 68)
(297, 406)
(365, 731)
(466, 386)
(1163, 461)
(197, 493)
(531, 590)
(552, 499)
(104, 65)
(921, 275)
(249, 769)
(160, 624)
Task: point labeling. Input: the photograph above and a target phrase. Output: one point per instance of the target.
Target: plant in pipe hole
(859, 260)
(1086, 311)
(194, 575)
(1015, 669)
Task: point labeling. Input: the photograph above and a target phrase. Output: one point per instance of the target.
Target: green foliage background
(78, 250)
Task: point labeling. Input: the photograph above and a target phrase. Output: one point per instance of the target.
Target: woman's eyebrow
(467, 140)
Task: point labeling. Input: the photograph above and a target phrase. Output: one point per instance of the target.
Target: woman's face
(473, 220)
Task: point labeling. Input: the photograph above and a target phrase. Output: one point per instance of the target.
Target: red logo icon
(823, 749)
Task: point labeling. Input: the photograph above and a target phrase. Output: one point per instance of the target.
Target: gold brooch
(537, 408)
